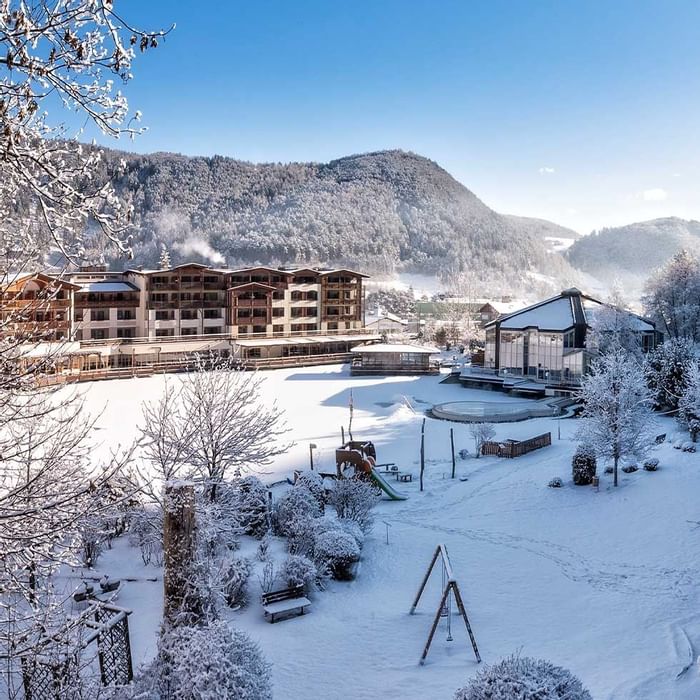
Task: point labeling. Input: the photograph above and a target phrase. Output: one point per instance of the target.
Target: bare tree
(481, 432)
(213, 426)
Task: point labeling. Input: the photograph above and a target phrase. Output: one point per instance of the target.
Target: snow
(108, 287)
(603, 583)
(559, 244)
(388, 347)
(554, 315)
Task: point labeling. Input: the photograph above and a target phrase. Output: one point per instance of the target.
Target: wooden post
(178, 547)
(436, 620)
(422, 453)
(452, 443)
(425, 580)
(342, 435)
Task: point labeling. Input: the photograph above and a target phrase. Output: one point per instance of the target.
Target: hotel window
(278, 329)
(259, 329)
(165, 315)
(99, 315)
(188, 331)
(213, 330)
(126, 332)
(126, 314)
(569, 339)
(164, 332)
(98, 334)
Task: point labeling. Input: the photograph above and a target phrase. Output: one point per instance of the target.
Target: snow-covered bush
(314, 483)
(267, 577)
(523, 678)
(264, 548)
(298, 504)
(340, 525)
(651, 465)
(555, 483)
(335, 552)
(208, 663)
(608, 470)
(583, 466)
(630, 468)
(301, 536)
(146, 533)
(235, 574)
(668, 371)
(252, 506)
(688, 447)
(352, 528)
(463, 454)
(354, 499)
(299, 571)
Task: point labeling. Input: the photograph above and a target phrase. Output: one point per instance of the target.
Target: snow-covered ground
(604, 583)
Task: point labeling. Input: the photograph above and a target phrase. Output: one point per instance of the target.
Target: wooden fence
(516, 448)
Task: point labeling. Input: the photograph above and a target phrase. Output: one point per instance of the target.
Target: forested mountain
(383, 211)
(631, 252)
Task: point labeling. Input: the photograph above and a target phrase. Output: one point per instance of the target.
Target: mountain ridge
(385, 210)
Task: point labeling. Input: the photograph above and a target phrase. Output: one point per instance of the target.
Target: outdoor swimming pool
(492, 411)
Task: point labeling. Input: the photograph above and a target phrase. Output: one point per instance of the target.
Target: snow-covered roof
(389, 347)
(554, 315)
(107, 286)
(384, 316)
(301, 340)
(634, 322)
(563, 312)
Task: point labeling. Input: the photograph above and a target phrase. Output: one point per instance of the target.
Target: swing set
(450, 589)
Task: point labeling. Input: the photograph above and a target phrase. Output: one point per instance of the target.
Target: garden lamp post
(312, 447)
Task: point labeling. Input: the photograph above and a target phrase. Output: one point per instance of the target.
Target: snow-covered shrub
(555, 483)
(463, 454)
(146, 533)
(264, 548)
(297, 504)
(583, 466)
(301, 536)
(299, 571)
(208, 663)
(354, 499)
(651, 465)
(609, 470)
(252, 506)
(354, 529)
(523, 678)
(688, 447)
(235, 576)
(267, 577)
(92, 535)
(335, 552)
(630, 468)
(314, 483)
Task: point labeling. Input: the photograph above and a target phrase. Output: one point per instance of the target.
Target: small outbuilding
(386, 358)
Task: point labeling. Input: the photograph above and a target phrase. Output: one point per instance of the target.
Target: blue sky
(586, 113)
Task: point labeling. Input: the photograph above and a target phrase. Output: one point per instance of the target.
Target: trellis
(44, 671)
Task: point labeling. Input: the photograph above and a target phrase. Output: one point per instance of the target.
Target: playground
(602, 582)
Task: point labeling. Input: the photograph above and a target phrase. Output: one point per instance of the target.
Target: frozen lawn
(602, 583)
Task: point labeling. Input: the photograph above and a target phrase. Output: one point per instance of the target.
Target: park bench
(284, 601)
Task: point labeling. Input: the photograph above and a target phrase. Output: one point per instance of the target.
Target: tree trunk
(616, 460)
(178, 547)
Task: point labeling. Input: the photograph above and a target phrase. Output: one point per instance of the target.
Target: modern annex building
(543, 348)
